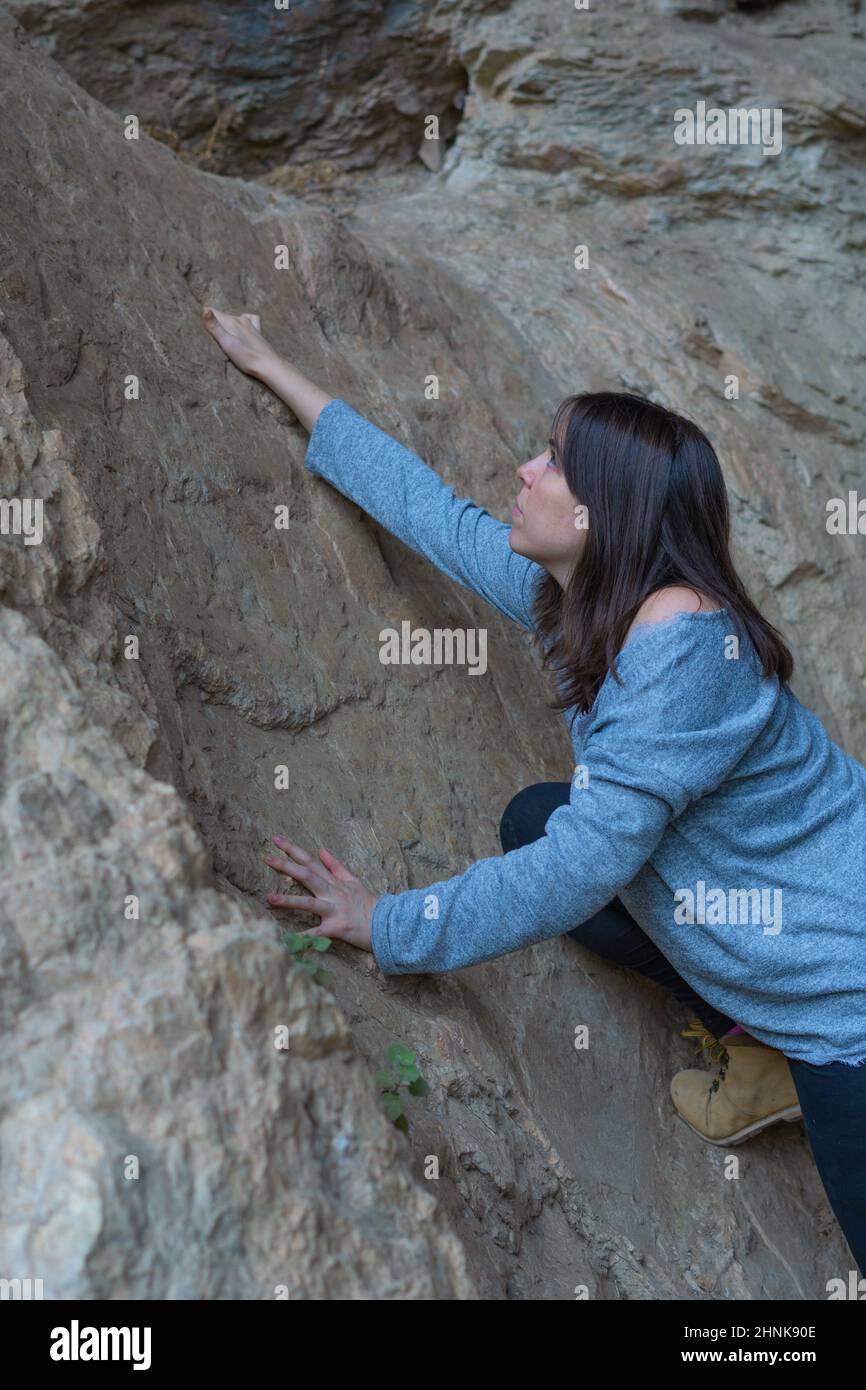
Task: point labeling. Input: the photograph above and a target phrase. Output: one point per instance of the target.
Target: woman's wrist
(301, 395)
(268, 366)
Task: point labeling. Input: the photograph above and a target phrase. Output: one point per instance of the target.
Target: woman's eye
(552, 461)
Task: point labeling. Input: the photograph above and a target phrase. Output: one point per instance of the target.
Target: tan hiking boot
(753, 1089)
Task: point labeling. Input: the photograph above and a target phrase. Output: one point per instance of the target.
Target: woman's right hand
(240, 338)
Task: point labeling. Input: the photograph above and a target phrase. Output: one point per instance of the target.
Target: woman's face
(547, 524)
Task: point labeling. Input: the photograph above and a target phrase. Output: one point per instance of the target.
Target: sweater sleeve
(682, 720)
(412, 502)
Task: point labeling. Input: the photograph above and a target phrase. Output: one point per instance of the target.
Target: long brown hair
(658, 514)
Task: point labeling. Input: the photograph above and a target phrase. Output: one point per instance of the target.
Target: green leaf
(385, 1079)
(320, 943)
(294, 941)
(401, 1055)
(323, 977)
(419, 1087)
(402, 1123)
(392, 1105)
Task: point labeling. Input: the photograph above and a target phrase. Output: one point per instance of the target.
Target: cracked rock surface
(151, 779)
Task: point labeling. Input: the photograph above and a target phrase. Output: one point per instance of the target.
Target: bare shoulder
(674, 598)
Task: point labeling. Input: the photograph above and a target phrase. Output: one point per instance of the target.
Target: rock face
(149, 782)
(242, 88)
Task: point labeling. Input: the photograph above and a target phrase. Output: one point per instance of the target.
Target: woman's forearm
(240, 337)
(299, 393)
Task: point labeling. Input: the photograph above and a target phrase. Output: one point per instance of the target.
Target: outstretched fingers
(215, 324)
(299, 865)
(217, 320)
(295, 900)
(336, 867)
(289, 847)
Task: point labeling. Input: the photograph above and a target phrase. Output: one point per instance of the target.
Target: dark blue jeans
(611, 933)
(832, 1097)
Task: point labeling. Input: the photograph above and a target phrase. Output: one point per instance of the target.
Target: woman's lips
(515, 510)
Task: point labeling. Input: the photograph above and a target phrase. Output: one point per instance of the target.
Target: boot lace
(715, 1050)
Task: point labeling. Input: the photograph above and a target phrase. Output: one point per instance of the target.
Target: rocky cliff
(166, 648)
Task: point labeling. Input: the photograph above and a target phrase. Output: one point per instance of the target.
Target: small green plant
(408, 1074)
(301, 946)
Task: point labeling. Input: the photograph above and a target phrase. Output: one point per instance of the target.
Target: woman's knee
(611, 932)
(527, 813)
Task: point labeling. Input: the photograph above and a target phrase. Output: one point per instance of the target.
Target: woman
(712, 837)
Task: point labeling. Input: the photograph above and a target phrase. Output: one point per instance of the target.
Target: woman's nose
(524, 473)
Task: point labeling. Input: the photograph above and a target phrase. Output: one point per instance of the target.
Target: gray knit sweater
(705, 796)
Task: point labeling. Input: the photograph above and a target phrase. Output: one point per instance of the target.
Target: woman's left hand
(340, 899)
